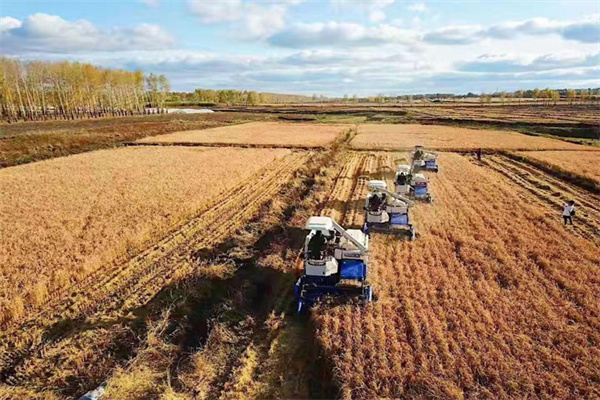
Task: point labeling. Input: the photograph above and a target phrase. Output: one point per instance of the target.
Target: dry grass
(33, 141)
(258, 133)
(586, 164)
(401, 137)
(477, 307)
(64, 218)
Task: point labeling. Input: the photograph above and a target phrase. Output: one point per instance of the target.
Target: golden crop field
(582, 163)
(478, 306)
(168, 271)
(259, 134)
(438, 137)
(64, 218)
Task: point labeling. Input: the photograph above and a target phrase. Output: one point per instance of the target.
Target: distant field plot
(64, 218)
(563, 114)
(405, 136)
(257, 134)
(583, 163)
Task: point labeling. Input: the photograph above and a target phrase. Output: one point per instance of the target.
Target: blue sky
(330, 47)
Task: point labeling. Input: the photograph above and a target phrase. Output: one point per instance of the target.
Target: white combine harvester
(412, 185)
(386, 211)
(335, 263)
(424, 159)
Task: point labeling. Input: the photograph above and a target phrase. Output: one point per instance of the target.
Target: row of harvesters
(336, 259)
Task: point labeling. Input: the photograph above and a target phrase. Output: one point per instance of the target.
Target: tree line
(232, 97)
(40, 90)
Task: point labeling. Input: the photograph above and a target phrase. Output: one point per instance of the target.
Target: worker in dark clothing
(401, 179)
(316, 246)
(479, 155)
(375, 203)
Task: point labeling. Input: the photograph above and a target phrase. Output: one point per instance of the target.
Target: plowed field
(495, 299)
(438, 137)
(275, 134)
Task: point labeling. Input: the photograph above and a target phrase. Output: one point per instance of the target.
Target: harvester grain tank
(336, 263)
(386, 211)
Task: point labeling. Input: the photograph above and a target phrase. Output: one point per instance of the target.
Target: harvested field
(479, 306)
(563, 114)
(87, 211)
(22, 143)
(439, 137)
(586, 164)
(255, 134)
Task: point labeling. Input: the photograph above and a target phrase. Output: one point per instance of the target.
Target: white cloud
(255, 20)
(418, 7)
(210, 12)
(8, 23)
(463, 34)
(509, 63)
(51, 34)
(333, 34)
(377, 16)
(262, 22)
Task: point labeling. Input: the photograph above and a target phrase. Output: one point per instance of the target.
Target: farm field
(258, 134)
(575, 162)
(86, 211)
(438, 137)
(22, 143)
(171, 279)
(478, 306)
(111, 304)
(563, 114)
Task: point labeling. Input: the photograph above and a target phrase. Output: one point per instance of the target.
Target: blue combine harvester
(411, 184)
(423, 159)
(335, 263)
(387, 212)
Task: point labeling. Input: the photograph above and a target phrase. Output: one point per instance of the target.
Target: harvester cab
(335, 263)
(386, 211)
(423, 159)
(403, 179)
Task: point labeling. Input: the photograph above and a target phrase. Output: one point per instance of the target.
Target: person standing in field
(568, 212)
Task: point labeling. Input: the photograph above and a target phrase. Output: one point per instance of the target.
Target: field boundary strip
(236, 145)
(465, 149)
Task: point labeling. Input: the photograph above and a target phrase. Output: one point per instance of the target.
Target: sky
(324, 47)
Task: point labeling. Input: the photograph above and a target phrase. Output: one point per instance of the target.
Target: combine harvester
(410, 184)
(335, 263)
(424, 159)
(386, 211)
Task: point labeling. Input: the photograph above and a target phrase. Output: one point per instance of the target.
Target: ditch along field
(578, 164)
(446, 138)
(495, 298)
(256, 134)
